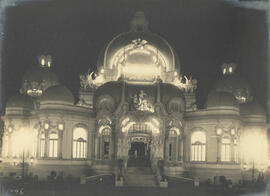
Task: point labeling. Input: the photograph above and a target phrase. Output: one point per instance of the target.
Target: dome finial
(228, 68)
(139, 23)
(45, 61)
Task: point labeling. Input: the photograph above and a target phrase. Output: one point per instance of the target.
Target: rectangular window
(225, 152)
(53, 148)
(198, 152)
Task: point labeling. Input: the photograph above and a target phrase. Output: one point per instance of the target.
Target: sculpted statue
(83, 81)
(190, 84)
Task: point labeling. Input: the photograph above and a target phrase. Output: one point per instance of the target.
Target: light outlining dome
(221, 99)
(138, 55)
(57, 94)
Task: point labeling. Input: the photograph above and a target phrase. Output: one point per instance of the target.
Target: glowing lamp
(10, 129)
(49, 63)
(232, 131)
(46, 126)
(60, 126)
(219, 131)
(42, 61)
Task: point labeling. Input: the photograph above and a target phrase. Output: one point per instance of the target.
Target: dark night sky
(204, 33)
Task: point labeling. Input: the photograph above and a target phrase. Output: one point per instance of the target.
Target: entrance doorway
(139, 154)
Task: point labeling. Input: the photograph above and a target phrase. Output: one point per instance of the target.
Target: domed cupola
(139, 56)
(57, 95)
(233, 83)
(20, 104)
(38, 79)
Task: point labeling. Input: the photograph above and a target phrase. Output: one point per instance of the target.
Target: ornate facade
(138, 108)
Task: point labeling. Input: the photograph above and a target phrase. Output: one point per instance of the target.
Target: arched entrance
(139, 151)
(140, 137)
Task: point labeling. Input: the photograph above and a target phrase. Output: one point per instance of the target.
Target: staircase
(140, 177)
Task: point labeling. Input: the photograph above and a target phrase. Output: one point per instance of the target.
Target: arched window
(53, 145)
(225, 149)
(42, 145)
(79, 143)
(198, 141)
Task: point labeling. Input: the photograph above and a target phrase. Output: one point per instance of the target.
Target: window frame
(53, 151)
(198, 148)
(80, 144)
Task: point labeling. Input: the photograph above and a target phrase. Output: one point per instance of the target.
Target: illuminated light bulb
(230, 69)
(224, 71)
(233, 131)
(61, 126)
(46, 126)
(219, 131)
(49, 63)
(42, 61)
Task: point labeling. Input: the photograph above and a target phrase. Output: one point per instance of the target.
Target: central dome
(138, 55)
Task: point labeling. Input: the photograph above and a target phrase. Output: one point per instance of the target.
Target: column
(177, 149)
(112, 145)
(218, 149)
(268, 66)
(60, 139)
(185, 157)
(96, 147)
(91, 146)
(158, 91)
(181, 149)
(9, 146)
(46, 150)
(38, 145)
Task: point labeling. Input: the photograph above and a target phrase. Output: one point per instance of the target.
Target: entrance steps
(140, 177)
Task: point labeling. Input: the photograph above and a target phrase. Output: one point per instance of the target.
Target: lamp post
(23, 165)
(24, 141)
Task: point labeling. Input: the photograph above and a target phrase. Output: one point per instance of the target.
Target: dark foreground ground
(106, 188)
